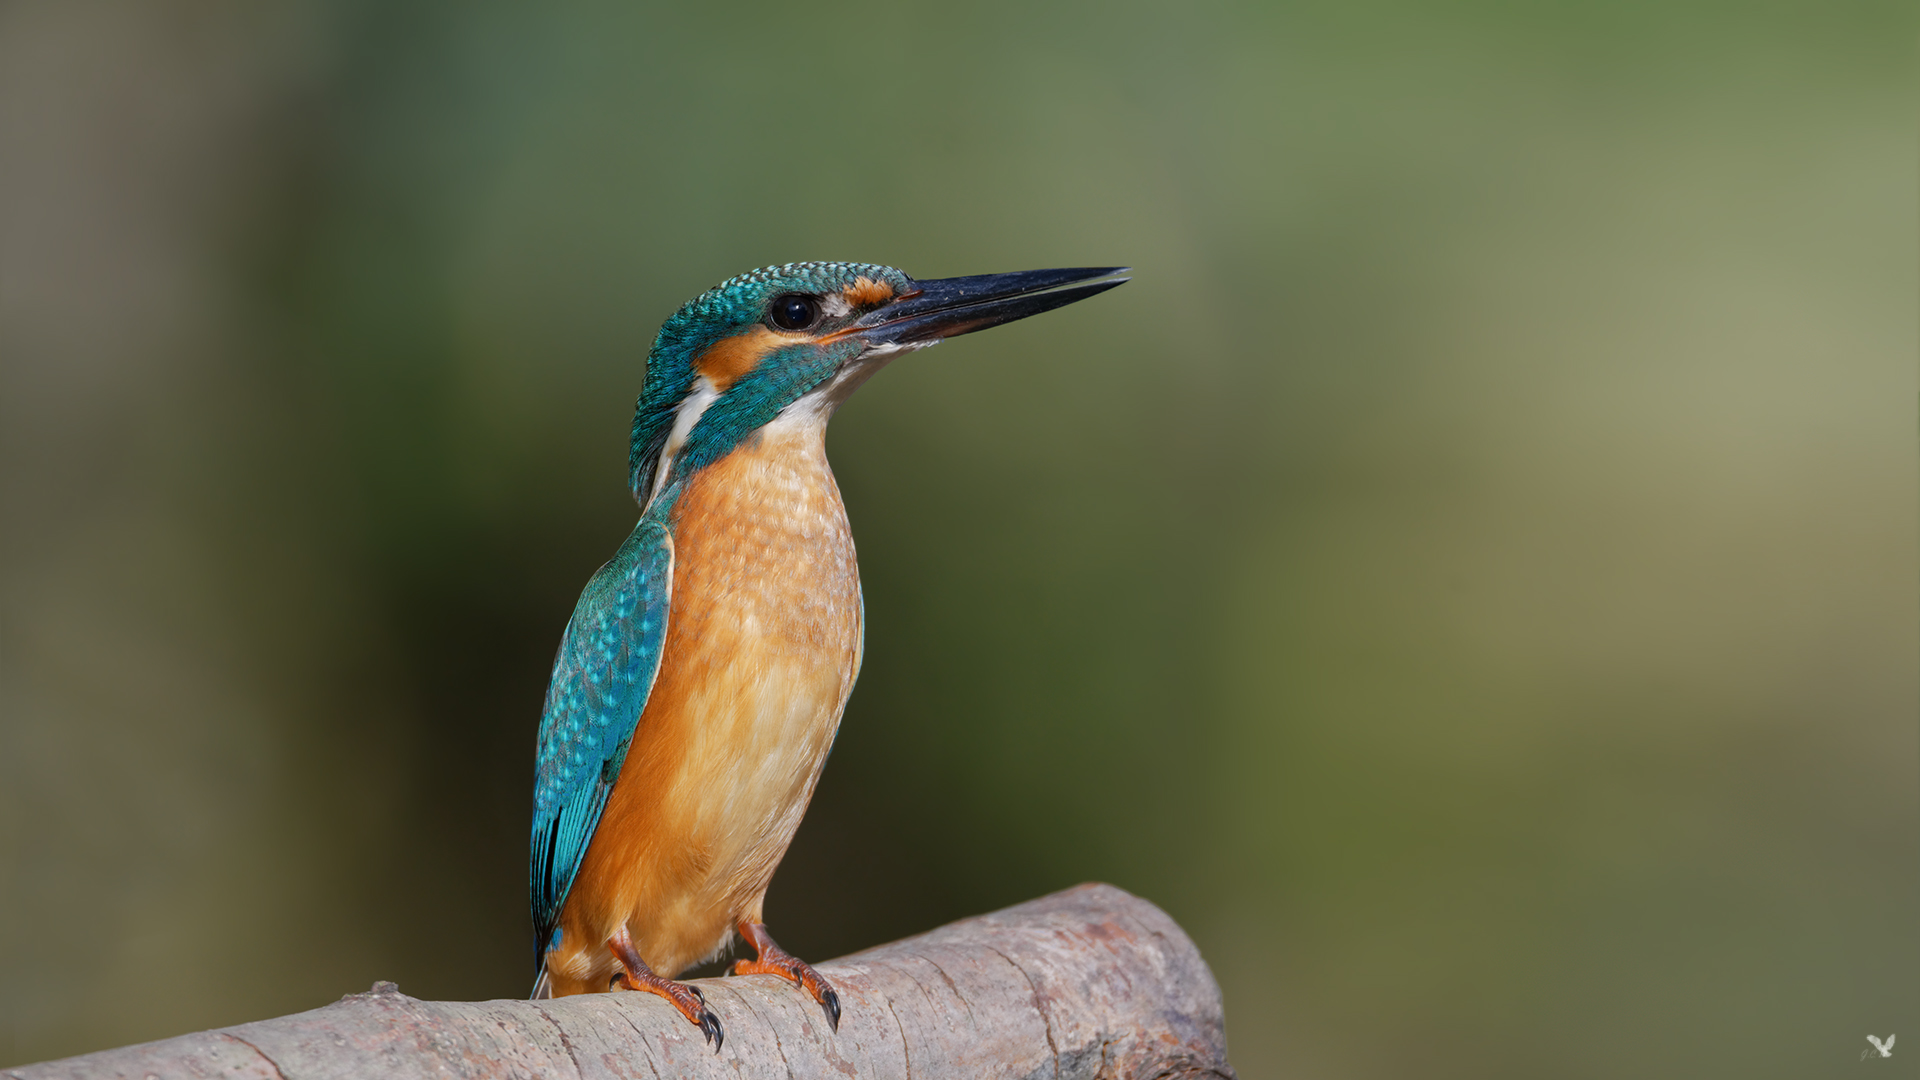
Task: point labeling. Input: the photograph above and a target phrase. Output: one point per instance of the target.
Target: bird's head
(803, 337)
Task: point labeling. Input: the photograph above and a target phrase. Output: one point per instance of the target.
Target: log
(1090, 982)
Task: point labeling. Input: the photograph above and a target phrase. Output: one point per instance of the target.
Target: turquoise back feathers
(602, 675)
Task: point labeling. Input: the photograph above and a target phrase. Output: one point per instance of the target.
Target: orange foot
(636, 975)
(771, 959)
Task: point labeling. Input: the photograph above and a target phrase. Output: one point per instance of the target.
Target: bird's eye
(794, 311)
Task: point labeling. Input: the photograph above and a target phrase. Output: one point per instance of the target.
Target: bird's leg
(636, 975)
(771, 959)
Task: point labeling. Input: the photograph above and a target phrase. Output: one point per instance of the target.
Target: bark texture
(1090, 982)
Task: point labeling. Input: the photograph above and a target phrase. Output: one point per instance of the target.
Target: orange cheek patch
(728, 360)
(865, 291)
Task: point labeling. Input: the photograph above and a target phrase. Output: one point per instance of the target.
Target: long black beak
(949, 307)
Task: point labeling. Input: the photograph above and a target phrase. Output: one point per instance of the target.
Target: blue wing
(601, 678)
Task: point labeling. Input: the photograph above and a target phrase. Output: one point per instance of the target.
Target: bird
(1885, 1048)
(700, 681)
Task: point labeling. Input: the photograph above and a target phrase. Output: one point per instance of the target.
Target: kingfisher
(700, 682)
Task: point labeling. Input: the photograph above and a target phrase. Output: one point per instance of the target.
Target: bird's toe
(831, 1002)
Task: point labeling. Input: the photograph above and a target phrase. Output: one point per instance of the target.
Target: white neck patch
(691, 409)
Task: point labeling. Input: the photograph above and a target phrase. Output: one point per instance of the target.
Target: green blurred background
(1468, 578)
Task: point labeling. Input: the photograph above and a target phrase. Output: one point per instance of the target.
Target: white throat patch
(821, 401)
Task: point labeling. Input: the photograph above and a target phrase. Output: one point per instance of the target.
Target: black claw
(710, 1027)
(698, 994)
(832, 1002)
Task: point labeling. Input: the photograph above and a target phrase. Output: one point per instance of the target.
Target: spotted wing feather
(602, 675)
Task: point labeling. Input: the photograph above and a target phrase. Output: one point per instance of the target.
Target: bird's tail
(542, 986)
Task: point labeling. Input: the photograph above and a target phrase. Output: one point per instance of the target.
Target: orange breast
(763, 643)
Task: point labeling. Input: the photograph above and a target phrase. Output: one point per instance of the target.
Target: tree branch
(1090, 982)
